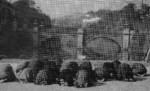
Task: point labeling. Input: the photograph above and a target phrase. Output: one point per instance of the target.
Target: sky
(59, 8)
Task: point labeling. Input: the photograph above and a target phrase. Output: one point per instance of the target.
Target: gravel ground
(142, 84)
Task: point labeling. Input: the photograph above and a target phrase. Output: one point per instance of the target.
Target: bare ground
(143, 84)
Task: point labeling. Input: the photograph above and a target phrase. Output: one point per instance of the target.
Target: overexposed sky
(58, 8)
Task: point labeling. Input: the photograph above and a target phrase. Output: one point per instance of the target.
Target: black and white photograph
(74, 45)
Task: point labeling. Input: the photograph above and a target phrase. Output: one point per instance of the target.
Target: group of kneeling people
(44, 72)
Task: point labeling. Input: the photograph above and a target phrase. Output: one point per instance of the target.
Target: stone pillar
(35, 40)
(15, 25)
(79, 43)
(125, 44)
(40, 39)
(127, 35)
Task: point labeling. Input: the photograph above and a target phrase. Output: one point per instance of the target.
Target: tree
(26, 13)
(144, 11)
(130, 13)
(6, 12)
(24, 3)
(23, 12)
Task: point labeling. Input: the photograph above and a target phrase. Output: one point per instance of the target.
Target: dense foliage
(17, 21)
(113, 23)
(16, 25)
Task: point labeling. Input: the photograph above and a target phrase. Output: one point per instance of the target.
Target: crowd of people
(78, 74)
